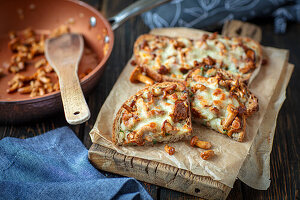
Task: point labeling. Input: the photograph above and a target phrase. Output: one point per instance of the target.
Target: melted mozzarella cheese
(233, 56)
(207, 96)
(142, 109)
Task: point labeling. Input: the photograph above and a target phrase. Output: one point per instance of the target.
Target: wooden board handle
(235, 28)
(75, 107)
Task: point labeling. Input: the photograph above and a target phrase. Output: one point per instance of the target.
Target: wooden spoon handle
(75, 106)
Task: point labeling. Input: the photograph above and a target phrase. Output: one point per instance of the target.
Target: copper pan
(43, 16)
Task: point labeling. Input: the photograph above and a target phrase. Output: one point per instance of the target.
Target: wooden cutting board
(162, 174)
(157, 173)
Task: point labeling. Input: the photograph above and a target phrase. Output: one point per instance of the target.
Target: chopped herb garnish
(154, 141)
(225, 131)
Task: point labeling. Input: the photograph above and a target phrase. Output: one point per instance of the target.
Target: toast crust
(118, 119)
(244, 77)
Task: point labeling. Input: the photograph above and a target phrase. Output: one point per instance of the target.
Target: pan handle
(133, 10)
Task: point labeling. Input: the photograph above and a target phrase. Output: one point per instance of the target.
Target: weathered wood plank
(157, 173)
(36, 128)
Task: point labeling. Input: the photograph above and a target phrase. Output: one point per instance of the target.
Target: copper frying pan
(43, 16)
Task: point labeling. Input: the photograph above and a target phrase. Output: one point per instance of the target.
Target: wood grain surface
(285, 178)
(157, 173)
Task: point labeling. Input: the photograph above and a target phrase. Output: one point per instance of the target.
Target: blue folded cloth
(209, 14)
(55, 165)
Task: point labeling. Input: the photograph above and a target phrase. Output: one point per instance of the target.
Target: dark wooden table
(284, 158)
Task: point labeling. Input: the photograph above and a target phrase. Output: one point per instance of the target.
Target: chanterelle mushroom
(137, 76)
(202, 144)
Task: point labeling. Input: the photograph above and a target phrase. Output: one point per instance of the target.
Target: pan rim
(90, 76)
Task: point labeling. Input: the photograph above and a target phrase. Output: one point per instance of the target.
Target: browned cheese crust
(158, 113)
(220, 102)
(170, 59)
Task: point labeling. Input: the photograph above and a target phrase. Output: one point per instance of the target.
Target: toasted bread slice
(220, 102)
(158, 113)
(170, 59)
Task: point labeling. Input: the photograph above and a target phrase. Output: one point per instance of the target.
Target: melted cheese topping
(176, 53)
(212, 102)
(153, 111)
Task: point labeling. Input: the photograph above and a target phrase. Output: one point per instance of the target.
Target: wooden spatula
(63, 54)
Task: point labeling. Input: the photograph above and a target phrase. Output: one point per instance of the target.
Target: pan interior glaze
(43, 16)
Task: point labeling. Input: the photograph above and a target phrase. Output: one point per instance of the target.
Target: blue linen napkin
(55, 165)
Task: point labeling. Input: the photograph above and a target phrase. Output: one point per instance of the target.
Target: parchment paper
(255, 171)
(230, 155)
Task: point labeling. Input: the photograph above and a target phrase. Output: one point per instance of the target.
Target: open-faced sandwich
(170, 59)
(220, 102)
(158, 113)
